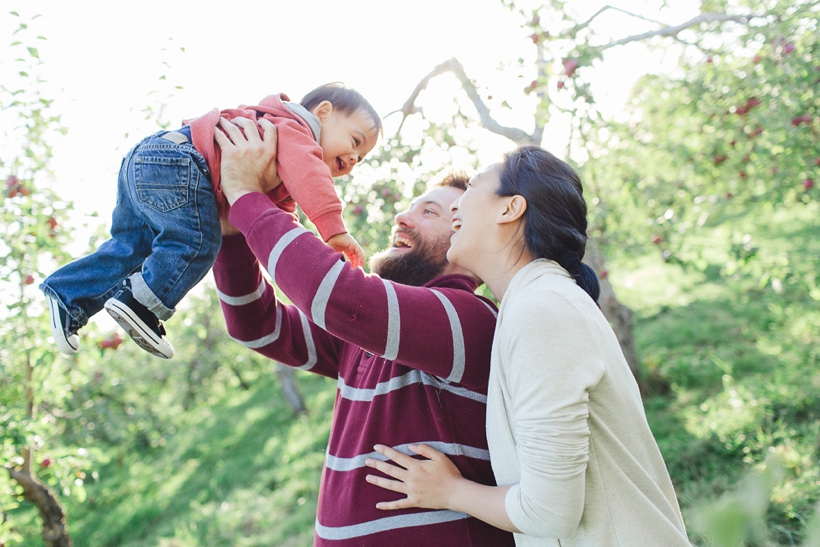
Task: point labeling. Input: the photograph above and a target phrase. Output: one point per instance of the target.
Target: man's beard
(421, 264)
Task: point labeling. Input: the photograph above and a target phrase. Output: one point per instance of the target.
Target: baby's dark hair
(343, 99)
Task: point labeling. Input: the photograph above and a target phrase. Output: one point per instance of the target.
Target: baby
(165, 231)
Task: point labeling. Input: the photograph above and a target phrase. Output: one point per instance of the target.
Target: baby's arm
(344, 243)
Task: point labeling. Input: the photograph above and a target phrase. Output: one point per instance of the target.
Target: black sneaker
(139, 322)
(63, 328)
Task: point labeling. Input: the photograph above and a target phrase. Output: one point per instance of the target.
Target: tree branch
(487, 121)
(603, 9)
(674, 30)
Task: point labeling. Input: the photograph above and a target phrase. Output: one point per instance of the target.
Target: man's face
(421, 238)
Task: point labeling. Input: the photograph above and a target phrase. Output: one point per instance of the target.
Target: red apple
(45, 464)
(561, 84)
(756, 59)
(808, 184)
(742, 174)
(570, 66)
(657, 240)
(535, 38)
(720, 159)
(357, 210)
(28, 280)
(11, 182)
(52, 222)
(788, 48)
(603, 274)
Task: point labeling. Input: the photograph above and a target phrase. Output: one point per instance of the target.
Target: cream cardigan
(566, 425)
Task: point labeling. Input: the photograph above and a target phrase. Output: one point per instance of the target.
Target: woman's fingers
(387, 468)
(427, 451)
(402, 459)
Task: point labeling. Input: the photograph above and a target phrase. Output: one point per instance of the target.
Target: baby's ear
(323, 110)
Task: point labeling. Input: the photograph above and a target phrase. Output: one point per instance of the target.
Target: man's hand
(344, 243)
(248, 160)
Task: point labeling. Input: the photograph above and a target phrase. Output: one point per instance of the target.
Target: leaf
(33, 52)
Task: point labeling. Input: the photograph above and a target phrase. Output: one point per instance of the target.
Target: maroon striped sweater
(412, 365)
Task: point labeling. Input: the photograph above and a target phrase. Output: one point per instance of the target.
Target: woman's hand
(428, 483)
(248, 160)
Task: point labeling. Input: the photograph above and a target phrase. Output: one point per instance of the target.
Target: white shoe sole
(139, 332)
(66, 344)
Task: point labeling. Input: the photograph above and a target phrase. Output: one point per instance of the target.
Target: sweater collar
(310, 118)
(532, 271)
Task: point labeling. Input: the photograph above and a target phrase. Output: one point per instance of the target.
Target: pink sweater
(304, 174)
(412, 365)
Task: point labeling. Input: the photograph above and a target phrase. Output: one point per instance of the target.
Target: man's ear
(323, 110)
(514, 208)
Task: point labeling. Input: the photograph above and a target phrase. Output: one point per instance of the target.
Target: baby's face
(346, 139)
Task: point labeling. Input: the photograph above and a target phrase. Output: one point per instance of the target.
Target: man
(411, 360)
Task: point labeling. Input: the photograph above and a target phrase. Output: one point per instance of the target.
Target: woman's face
(474, 227)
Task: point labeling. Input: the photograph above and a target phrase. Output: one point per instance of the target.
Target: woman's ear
(323, 110)
(514, 208)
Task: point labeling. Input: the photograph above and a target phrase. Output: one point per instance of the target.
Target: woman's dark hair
(555, 222)
(343, 99)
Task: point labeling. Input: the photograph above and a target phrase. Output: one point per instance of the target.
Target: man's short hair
(453, 179)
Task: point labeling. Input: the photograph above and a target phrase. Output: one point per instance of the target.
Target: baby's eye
(357, 142)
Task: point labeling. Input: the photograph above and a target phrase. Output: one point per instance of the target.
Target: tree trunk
(618, 315)
(55, 531)
(289, 389)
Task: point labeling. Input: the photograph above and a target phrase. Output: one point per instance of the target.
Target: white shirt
(566, 425)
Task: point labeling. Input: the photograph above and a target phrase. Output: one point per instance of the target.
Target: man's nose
(404, 220)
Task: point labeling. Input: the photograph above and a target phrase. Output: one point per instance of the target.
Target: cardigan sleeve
(550, 364)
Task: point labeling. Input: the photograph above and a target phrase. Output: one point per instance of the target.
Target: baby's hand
(344, 243)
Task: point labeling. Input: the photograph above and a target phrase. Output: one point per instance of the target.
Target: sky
(103, 61)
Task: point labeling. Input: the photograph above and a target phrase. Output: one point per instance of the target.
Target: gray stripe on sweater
(391, 349)
(268, 338)
(242, 300)
(319, 305)
(451, 449)
(279, 248)
(458, 338)
(386, 523)
(492, 311)
(311, 345)
(413, 377)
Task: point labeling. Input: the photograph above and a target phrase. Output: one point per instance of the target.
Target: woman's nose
(454, 206)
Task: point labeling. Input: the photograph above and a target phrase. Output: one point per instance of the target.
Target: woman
(569, 442)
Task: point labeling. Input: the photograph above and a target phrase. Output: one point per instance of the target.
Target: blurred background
(694, 126)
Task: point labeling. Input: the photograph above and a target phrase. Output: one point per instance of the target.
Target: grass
(244, 471)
